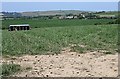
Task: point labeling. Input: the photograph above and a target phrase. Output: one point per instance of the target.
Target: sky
(47, 6)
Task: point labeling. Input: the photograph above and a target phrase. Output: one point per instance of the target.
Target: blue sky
(44, 6)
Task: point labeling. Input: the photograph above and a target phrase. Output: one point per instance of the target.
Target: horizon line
(63, 10)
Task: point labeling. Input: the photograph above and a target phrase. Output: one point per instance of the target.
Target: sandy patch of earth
(68, 64)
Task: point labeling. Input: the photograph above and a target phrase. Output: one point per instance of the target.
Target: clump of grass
(78, 49)
(28, 68)
(9, 69)
(107, 52)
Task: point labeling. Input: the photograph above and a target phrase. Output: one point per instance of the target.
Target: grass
(108, 13)
(9, 69)
(54, 22)
(77, 48)
(53, 39)
(48, 37)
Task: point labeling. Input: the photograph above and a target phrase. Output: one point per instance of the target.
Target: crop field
(108, 13)
(51, 39)
(38, 23)
(38, 52)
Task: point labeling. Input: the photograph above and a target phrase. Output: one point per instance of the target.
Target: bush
(8, 69)
(117, 21)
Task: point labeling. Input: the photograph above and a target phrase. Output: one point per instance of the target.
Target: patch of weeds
(57, 52)
(28, 68)
(13, 58)
(77, 49)
(6, 56)
(108, 52)
(9, 69)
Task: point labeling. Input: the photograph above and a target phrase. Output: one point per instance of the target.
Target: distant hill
(11, 14)
(51, 13)
(108, 13)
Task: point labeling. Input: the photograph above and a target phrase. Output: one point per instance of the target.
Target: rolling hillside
(50, 13)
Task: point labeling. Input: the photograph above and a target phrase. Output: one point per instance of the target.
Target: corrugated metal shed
(20, 25)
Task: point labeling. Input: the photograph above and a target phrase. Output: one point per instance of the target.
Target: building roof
(20, 25)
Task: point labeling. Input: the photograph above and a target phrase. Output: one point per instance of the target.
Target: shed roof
(20, 25)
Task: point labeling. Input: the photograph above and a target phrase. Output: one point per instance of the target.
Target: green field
(58, 34)
(55, 22)
(108, 13)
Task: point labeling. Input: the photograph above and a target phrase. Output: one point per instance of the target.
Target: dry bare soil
(67, 64)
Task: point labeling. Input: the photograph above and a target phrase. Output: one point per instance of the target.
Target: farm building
(68, 17)
(19, 27)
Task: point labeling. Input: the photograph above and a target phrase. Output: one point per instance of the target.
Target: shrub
(8, 69)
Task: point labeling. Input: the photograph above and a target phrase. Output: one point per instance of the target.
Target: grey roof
(20, 25)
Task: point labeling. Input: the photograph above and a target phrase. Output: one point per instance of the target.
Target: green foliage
(9, 69)
(54, 22)
(52, 39)
(78, 49)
